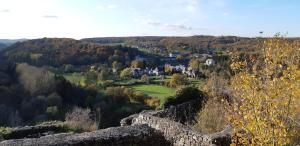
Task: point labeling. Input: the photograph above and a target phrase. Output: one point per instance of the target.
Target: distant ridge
(60, 51)
(11, 41)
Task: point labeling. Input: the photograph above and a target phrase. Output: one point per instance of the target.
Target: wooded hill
(194, 43)
(2, 46)
(59, 51)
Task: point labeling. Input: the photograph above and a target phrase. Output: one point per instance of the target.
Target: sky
(111, 18)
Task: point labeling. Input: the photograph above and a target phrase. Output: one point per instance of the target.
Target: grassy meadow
(160, 92)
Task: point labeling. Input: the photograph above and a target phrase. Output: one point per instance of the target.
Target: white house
(158, 71)
(210, 62)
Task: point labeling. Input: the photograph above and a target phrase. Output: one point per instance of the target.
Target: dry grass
(80, 120)
(153, 102)
(212, 117)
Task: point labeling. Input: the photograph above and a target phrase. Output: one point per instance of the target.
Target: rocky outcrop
(153, 128)
(170, 123)
(180, 135)
(118, 136)
(183, 113)
(34, 131)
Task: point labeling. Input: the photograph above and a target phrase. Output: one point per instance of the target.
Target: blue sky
(100, 18)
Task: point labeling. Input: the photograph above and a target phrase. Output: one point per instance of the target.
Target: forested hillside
(56, 52)
(2, 46)
(193, 43)
(30, 94)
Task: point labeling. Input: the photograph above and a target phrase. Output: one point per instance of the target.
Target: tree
(118, 94)
(5, 112)
(195, 64)
(54, 99)
(38, 81)
(104, 74)
(68, 68)
(266, 96)
(168, 69)
(185, 94)
(179, 58)
(126, 73)
(116, 65)
(178, 79)
(137, 64)
(145, 79)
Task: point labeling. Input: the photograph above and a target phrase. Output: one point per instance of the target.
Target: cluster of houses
(188, 71)
(160, 71)
(138, 72)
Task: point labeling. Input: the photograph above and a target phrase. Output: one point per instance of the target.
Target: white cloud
(50, 16)
(154, 23)
(177, 27)
(5, 11)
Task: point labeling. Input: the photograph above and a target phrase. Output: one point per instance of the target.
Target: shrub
(124, 94)
(152, 102)
(195, 64)
(177, 80)
(118, 94)
(138, 97)
(80, 119)
(137, 64)
(212, 117)
(185, 94)
(145, 79)
(5, 132)
(126, 73)
(215, 86)
(52, 110)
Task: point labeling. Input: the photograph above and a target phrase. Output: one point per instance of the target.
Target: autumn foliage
(266, 96)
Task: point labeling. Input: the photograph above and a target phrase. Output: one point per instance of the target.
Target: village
(180, 66)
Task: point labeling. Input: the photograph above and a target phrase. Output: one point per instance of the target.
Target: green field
(157, 91)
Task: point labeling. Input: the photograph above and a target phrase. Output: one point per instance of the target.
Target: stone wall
(153, 128)
(118, 136)
(34, 131)
(170, 122)
(180, 135)
(184, 113)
